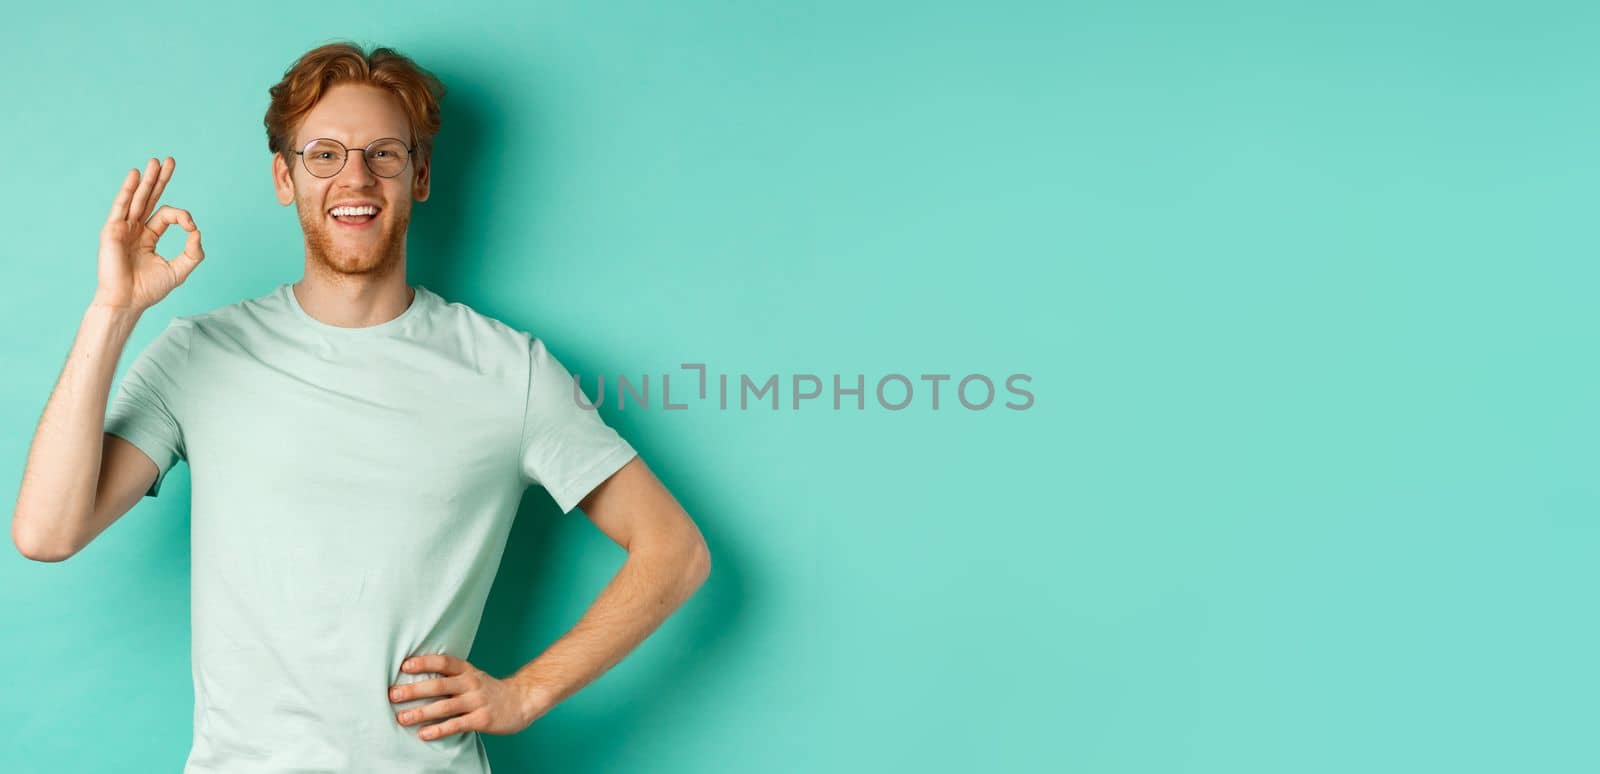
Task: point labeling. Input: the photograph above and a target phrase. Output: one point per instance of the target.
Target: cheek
(308, 198)
(399, 202)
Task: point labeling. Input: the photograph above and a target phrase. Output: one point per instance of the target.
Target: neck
(353, 301)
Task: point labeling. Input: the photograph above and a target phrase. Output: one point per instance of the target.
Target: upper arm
(144, 414)
(584, 463)
(141, 438)
(633, 507)
(566, 446)
(126, 474)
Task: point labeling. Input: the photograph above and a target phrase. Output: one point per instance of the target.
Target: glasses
(386, 157)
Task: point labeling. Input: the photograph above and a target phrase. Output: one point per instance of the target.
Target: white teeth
(366, 210)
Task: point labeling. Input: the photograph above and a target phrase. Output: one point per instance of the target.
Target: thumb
(193, 253)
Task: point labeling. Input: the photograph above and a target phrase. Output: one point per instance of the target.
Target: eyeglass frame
(411, 152)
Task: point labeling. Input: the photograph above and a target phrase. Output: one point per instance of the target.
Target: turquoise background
(1306, 293)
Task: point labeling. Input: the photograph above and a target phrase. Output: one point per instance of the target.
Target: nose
(355, 172)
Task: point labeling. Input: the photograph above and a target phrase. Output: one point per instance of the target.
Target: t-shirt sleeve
(145, 409)
(566, 447)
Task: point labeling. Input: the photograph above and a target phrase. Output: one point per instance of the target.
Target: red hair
(321, 68)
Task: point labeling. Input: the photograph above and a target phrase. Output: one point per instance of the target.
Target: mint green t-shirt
(352, 491)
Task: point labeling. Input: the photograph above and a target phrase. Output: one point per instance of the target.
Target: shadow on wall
(538, 586)
(534, 588)
(448, 229)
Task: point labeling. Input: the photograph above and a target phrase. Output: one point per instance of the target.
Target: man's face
(355, 115)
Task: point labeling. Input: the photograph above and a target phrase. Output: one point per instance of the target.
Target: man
(358, 448)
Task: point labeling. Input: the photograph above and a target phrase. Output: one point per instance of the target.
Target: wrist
(534, 697)
(103, 304)
(98, 312)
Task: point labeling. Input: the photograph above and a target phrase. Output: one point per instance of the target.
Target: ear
(420, 185)
(282, 180)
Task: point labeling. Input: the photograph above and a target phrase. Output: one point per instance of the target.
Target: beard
(364, 255)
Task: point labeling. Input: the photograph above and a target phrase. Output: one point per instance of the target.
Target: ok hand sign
(132, 276)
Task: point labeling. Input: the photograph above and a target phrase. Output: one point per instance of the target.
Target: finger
(193, 251)
(168, 215)
(161, 185)
(437, 686)
(141, 196)
(454, 725)
(443, 663)
(119, 205)
(444, 708)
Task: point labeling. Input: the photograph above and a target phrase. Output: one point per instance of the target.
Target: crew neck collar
(286, 292)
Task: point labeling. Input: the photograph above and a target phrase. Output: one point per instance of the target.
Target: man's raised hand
(132, 276)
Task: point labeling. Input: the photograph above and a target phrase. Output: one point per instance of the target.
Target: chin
(356, 254)
(362, 262)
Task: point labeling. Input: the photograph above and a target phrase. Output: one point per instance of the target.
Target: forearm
(57, 494)
(653, 582)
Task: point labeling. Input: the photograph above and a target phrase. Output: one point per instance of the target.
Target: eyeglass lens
(324, 158)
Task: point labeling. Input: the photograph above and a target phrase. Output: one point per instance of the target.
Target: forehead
(354, 114)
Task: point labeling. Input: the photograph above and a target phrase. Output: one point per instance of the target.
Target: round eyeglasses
(386, 157)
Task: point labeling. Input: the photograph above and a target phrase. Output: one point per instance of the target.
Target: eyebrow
(401, 136)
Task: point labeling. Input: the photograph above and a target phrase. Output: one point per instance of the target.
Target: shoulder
(230, 318)
(490, 344)
(482, 329)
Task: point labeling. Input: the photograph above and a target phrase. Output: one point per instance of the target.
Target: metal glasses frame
(410, 152)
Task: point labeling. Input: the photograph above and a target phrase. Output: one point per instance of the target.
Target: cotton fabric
(352, 490)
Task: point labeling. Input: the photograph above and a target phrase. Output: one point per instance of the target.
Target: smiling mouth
(356, 221)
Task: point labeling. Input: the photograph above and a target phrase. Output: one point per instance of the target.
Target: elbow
(32, 545)
(699, 565)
